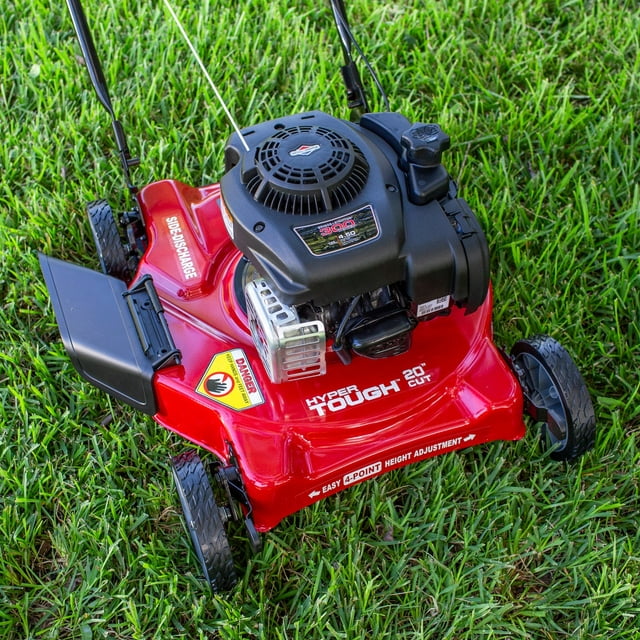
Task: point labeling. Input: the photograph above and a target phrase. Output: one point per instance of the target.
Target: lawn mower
(319, 317)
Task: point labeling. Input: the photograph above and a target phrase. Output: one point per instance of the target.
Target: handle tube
(100, 85)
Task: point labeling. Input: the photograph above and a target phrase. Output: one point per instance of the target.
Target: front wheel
(205, 521)
(556, 396)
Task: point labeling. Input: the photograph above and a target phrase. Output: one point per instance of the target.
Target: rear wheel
(111, 252)
(205, 521)
(555, 395)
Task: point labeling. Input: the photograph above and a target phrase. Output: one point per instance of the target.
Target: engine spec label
(230, 381)
(340, 233)
(432, 306)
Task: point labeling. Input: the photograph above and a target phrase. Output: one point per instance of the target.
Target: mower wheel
(555, 395)
(204, 520)
(111, 253)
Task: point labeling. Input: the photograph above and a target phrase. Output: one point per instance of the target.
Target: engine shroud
(306, 170)
(326, 210)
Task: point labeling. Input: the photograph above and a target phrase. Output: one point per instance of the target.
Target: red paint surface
(290, 454)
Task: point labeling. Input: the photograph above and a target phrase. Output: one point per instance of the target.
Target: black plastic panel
(425, 239)
(99, 332)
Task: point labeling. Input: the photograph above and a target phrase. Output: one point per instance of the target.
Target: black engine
(351, 233)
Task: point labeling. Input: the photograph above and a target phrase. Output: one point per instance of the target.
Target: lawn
(541, 99)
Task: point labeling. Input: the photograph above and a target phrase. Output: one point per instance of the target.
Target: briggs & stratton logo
(304, 150)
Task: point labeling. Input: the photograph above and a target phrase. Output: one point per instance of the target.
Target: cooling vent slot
(306, 170)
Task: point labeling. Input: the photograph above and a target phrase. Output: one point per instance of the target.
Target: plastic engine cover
(326, 209)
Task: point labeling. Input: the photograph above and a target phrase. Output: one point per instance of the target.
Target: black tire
(111, 252)
(204, 521)
(555, 395)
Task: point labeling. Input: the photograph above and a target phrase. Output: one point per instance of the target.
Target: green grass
(542, 101)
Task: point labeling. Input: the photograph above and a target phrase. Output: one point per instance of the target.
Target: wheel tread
(575, 396)
(204, 522)
(104, 229)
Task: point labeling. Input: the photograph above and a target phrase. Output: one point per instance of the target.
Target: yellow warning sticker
(230, 381)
